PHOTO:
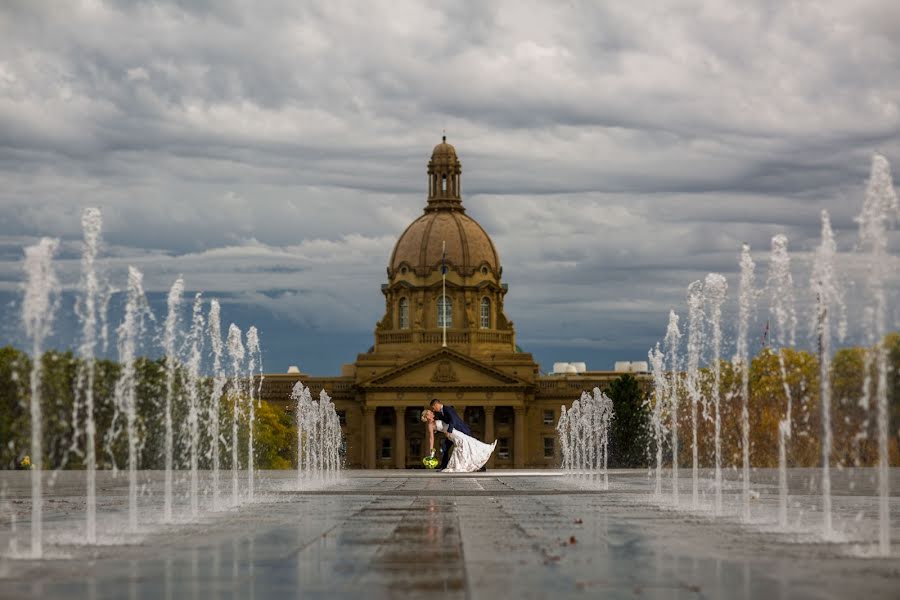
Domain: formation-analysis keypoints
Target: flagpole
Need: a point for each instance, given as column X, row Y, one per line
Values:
column 444, row 294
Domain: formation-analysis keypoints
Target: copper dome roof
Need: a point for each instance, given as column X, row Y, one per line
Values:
column 468, row 245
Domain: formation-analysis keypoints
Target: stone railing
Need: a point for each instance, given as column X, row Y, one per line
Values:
column 395, row 338
column 278, row 387
column 565, row 386
column 494, row 337
column 454, row 337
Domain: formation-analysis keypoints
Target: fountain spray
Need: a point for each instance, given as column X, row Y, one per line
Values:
column 781, row 286
column 298, row 395
column 193, row 389
column 879, row 212
column 38, row 309
column 254, row 360
column 746, row 297
column 695, row 346
column 673, row 337
column 236, row 352
column 129, row 332
column 715, row 289
column 91, row 224
column 215, row 338
column 828, row 297
column 171, row 329
column 659, row 393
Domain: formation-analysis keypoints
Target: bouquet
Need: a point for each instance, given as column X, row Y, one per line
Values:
column 430, row 461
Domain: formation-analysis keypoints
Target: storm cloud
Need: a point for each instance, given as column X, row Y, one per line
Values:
column 273, row 152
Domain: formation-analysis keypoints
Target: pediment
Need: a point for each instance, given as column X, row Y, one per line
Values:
column 444, row 368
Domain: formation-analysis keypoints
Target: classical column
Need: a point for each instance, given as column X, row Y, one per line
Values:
column 369, row 443
column 400, row 436
column 519, row 438
column 489, row 430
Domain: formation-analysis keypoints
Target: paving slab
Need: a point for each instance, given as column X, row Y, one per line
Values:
column 422, row 534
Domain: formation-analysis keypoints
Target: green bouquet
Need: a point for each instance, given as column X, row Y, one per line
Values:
column 430, row 461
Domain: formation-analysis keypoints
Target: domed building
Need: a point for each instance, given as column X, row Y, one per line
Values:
column 445, row 335
column 420, row 302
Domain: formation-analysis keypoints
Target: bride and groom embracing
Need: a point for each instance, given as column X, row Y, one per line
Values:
column 460, row 452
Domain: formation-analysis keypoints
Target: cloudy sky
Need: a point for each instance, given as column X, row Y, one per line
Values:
column 273, row 152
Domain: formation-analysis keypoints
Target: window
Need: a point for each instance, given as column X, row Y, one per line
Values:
column 412, row 417
column 549, row 417
column 503, row 448
column 342, row 417
column 485, row 313
column 386, row 448
column 385, row 418
column 445, row 312
column 473, row 417
column 415, row 447
column 403, row 310
column 504, row 416
column 549, row 447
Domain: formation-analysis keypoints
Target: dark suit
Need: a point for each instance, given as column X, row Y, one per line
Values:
column 449, row 416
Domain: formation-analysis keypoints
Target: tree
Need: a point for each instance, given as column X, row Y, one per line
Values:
column 630, row 426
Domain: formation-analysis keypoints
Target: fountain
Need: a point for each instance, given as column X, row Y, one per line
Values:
column 746, row 301
column 236, row 352
column 695, row 347
column 318, row 436
column 38, row 309
column 660, row 385
column 332, row 436
column 215, row 338
column 590, row 424
column 300, row 396
column 575, row 442
column 129, row 333
column 173, row 304
column 781, row 287
column 193, row 390
column 91, row 224
column 605, row 414
column 129, row 428
column 829, row 320
column 562, row 433
column 828, row 297
column 255, row 358
column 879, row 211
column 673, row 336
column 715, row 289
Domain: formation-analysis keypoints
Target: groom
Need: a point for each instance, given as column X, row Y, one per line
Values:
column 448, row 415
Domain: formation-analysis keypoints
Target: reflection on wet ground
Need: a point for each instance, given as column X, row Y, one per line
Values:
column 488, row 536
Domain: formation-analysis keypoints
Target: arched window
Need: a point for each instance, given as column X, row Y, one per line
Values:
column 485, row 313
column 445, row 312
column 403, row 313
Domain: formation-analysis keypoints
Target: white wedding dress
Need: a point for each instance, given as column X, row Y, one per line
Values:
column 468, row 454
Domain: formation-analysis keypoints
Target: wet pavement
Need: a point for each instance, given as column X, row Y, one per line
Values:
column 395, row 535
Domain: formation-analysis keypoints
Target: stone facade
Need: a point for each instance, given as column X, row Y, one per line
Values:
column 472, row 364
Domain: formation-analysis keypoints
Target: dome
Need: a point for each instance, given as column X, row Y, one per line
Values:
column 468, row 245
column 443, row 150
column 445, row 221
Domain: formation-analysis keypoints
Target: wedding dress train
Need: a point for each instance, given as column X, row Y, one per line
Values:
column 468, row 454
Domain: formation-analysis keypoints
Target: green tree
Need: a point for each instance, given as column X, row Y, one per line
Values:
column 630, row 427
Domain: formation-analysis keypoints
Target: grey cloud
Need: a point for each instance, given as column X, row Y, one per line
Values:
column 273, row 152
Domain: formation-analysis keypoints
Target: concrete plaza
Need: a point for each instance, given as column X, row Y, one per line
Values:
column 378, row 534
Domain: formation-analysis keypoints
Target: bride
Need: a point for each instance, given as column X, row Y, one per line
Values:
column 468, row 455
